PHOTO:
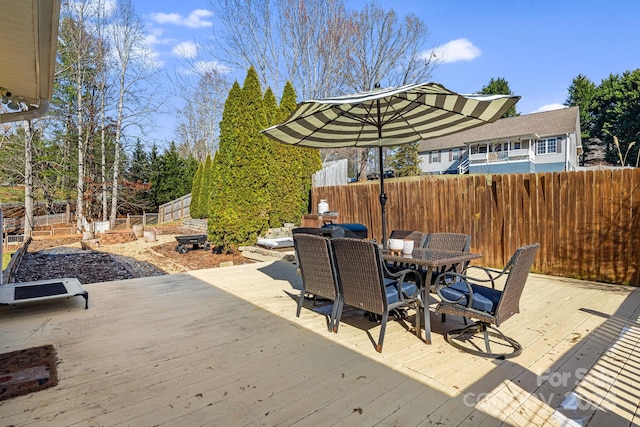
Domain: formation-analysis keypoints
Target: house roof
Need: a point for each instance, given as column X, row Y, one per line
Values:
column 29, row 34
column 548, row 123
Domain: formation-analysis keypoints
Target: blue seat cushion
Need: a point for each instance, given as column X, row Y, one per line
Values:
column 484, row 298
column 409, row 289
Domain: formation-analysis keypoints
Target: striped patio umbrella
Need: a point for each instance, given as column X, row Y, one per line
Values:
column 387, row 117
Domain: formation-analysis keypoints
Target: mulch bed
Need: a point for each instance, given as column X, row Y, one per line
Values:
column 27, row 371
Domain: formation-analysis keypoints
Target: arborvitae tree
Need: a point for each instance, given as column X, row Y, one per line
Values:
column 205, row 188
column 222, row 215
column 250, row 172
column 256, row 182
column 280, row 176
column 500, row 86
column 304, row 161
column 195, row 209
column 188, row 171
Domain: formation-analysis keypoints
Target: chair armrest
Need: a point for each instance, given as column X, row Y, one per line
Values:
column 447, row 279
column 491, row 273
column 400, row 277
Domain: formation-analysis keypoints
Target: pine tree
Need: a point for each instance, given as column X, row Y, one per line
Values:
column 406, row 161
column 172, row 176
column 500, row 86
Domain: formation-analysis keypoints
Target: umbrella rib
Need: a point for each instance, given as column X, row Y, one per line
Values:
column 340, row 112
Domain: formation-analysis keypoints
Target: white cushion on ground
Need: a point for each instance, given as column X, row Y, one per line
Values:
column 280, row 242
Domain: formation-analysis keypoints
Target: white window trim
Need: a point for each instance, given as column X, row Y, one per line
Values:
column 546, row 146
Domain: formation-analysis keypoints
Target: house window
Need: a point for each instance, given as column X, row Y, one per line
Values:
column 547, row 146
column 455, row 154
column 516, row 145
column 435, row 157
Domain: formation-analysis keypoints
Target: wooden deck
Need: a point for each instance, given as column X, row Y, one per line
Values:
column 223, row 347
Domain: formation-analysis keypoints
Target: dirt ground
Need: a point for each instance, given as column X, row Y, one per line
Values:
column 49, row 259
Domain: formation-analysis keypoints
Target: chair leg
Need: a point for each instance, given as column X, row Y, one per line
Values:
column 383, row 327
column 337, row 313
column 300, row 300
column 483, row 328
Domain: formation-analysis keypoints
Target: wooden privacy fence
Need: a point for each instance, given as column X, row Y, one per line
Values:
column 587, row 222
column 174, row 210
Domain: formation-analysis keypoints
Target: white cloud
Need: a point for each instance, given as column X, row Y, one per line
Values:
column 185, row 50
column 454, row 51
column 550, row 107
column 206, row 66
column 202, row 67
column 196, row 19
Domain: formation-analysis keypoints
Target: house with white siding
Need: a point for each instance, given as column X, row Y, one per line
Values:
column 539, row 142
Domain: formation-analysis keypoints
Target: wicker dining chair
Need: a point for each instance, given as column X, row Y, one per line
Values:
column 315, row 261
column 457, row 242
column 361, row 277
column 471, row 297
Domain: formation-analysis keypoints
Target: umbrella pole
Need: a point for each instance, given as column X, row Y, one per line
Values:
column 383, row 200
column 383, row 195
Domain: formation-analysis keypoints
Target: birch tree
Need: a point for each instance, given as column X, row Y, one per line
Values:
column 102, row 76
column 389, row 53
column 248, row 36
column 77, row 62
column 134, row 67
column 28, row 178
column 198, row 126
column 323, row 49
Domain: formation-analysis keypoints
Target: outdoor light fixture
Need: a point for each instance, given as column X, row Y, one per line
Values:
column 12, row 104
column 5, row 95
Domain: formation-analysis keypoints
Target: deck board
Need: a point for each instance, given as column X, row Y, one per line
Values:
column 223, row 346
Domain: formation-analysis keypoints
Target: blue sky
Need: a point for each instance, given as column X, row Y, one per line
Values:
column 537, row 46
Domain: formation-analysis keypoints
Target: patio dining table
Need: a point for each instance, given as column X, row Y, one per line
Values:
column 429, row 258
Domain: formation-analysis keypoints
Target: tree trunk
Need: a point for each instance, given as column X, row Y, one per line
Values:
column 28, row 178
column 116, row 156
column 80, row 183
column 103, row 156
